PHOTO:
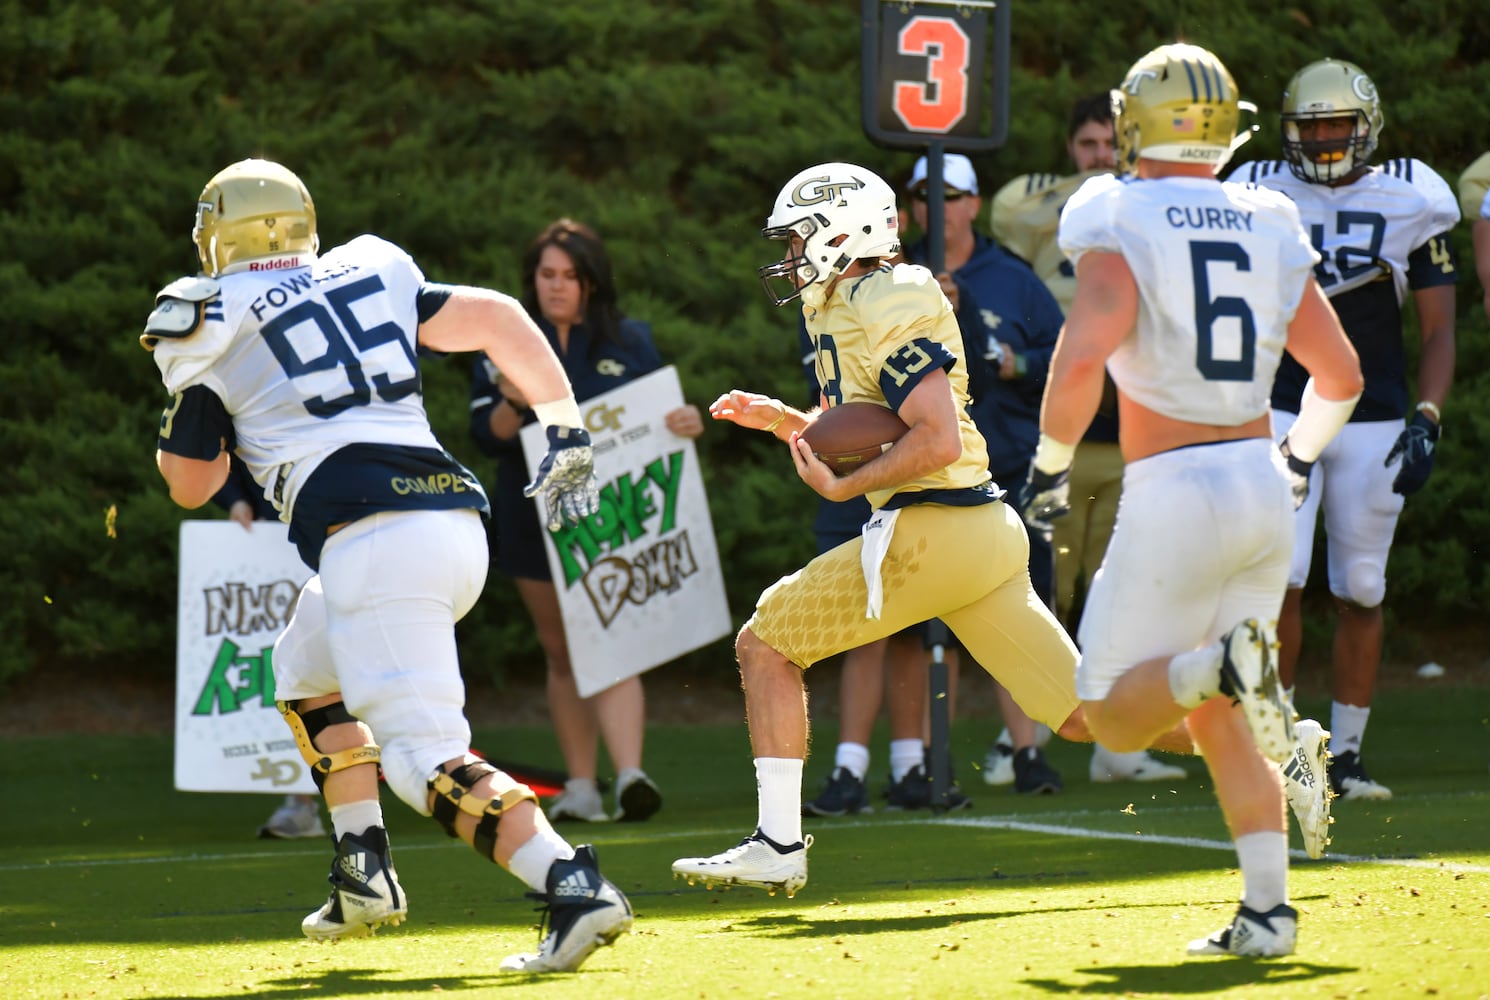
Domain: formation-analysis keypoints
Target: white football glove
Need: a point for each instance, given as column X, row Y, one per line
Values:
column 566, row 477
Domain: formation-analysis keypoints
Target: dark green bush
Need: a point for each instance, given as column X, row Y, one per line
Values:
column 457, row 129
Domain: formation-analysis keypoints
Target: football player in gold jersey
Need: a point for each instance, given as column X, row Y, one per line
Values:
column 1474, row 201
column 941, row 542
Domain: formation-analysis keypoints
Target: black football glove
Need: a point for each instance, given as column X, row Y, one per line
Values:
column 1415, row 446
column 1298, row 474
column 566, row 477
column 1045, row 496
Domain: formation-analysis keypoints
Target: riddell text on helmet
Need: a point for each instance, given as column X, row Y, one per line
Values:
column 275, row 264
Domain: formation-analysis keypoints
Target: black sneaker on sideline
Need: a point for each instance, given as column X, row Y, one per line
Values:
column 842, row 795
column 1033, row 774
column 637, row 799
column 914, row 792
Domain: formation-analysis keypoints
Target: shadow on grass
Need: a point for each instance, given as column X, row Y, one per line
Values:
column 1196, row 977
column 935, row 915
column 370, row 982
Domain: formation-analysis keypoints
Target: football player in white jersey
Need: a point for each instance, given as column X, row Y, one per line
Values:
column 1187, row 292
column 1474, row 200
column 305, row 366
column 1382, row 231
column 1025, row 218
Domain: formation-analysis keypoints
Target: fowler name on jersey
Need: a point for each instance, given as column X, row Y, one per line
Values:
column 297, row 370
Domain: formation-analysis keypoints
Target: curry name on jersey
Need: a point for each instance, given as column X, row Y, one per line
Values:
column 1379, row 237
column 311, row 375
column 1220, row 269
column 874, row 340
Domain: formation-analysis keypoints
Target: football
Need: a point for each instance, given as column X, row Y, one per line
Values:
column 846, row 436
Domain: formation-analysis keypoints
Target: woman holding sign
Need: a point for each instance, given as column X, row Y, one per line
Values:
column 569, row 292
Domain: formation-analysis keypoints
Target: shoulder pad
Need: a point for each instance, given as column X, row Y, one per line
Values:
column 179, row 309
column 193, row 288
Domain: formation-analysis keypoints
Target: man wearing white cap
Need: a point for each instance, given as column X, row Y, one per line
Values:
column 1007, row 358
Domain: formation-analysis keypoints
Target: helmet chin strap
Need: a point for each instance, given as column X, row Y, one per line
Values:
column 1240, row 139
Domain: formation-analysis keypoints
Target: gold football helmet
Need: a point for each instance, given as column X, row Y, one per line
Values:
column 1178, row 104
column 254, row 214
column 1330, row 88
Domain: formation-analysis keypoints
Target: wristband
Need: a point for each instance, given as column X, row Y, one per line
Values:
column 1318, row 422
column 771, row 427
column 1432, row 410
column 1052, row 456
column 558, row 413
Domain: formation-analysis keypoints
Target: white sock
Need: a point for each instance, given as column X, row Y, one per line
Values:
column 532, row 861
column 356, row 817
column 1347, row 726
column 1005, row 738
column 1264, row 862
column 778, row 791
column 904, row 755
column 1196, row 675
column 854, row 756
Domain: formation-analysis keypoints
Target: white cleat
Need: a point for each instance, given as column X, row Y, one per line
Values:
column 1108, row 765
column 1260, row 935
column 583, row 911
column 1308, row 787
column 365, row 893
column 1249, row 675
column 755, row 861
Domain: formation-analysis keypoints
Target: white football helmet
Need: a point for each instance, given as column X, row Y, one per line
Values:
column 1330, row 88
column 254, row 215
column 838, row 213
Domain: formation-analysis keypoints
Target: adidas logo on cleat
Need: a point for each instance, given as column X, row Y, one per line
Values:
column 574, row 886
column 1299, row 769
column 354, row 867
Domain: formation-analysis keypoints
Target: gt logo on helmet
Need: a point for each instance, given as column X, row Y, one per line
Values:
column 816, row 190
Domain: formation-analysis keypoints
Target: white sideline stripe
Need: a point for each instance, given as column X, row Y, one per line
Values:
column 986, row 823
column 1212, row 845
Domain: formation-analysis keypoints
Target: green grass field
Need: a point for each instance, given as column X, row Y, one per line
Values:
column 112, row 884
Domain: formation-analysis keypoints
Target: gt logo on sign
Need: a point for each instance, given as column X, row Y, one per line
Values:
column 816, row 190
column 603, row 418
